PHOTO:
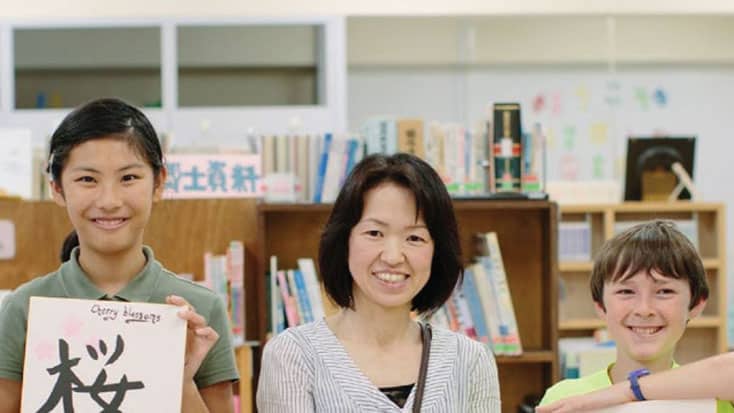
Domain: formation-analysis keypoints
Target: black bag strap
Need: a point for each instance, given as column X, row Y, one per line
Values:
column 427, row 334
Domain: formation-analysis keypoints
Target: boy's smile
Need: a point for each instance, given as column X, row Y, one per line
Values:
column 646, row 314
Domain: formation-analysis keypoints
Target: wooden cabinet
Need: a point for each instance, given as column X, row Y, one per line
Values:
column 702, row 222
column 527, row 236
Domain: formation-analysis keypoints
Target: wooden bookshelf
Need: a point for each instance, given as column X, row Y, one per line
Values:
column 706, row 335
column 527, row 235
column 179, row 231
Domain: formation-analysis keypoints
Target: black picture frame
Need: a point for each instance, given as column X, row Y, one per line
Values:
column 651, row 152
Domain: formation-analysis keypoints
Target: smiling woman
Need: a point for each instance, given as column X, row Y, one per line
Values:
column 106, row 169
column 390, row 247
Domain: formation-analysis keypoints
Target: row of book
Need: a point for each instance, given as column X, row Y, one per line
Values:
column 575, row 237
column 293, row 295
column 481, row 307
column 493, row 157
column 225, row 274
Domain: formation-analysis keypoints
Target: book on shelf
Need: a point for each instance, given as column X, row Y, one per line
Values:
column 474, row 303
column 294, row 295
column 313, row 288
column 574, row 241
column 533, row 161
column 581, row 356
column 507, row 147
column 410, row 137
column 488, row 248
column 471, row 161
column 224, row 275
column 688, row 227
column 482, row 308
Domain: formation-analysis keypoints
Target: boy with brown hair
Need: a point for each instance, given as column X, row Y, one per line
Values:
column 647, row 283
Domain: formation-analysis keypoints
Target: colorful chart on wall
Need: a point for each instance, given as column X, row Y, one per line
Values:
column 102, row 356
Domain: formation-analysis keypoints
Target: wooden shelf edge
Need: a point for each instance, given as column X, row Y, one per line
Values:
column 641, row 207
column 576, row 266
column 711, row 263
column 459, row 205
column 539, row 356
column 593, row 324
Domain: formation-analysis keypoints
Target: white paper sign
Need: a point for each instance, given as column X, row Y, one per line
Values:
column 92, row 356
column 16, row 162
column 664, row 406
column 7, row 239
column 213, row 176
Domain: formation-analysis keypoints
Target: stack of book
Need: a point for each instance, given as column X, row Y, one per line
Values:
column 482, row 306
column 294, row 295
column 225, row 274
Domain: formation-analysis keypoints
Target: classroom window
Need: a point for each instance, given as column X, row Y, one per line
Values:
column 255, row 65
column 64, row 67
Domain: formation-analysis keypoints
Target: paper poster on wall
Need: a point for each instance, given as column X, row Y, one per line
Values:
column 556, row 103
column 569, row 167
column 642, row 98
column 664, row 406
column 613, row 96
column 16, row 162
column 598, row 165
column 539, row 103
column 660, row 97
column 582, row 93
column 550, row 139
column 599, row 133
column 110, row 356
column 569, row 137
column 7, row 239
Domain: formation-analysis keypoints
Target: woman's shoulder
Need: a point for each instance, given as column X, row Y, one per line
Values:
column 297, row 339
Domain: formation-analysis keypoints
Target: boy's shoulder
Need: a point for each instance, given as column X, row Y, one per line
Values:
column 574, row 387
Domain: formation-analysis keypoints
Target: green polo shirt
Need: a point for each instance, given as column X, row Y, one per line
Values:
column 152, row 285
column 597, row 381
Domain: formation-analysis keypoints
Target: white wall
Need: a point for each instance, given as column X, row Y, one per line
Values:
column 219, row 8
column 492, row 40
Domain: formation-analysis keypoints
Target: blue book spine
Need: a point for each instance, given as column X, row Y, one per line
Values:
column 321, row 173
column 352, row 146
column 475, row 306
column 302, row 295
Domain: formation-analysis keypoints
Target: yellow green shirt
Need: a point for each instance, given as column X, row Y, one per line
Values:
column 597, row 381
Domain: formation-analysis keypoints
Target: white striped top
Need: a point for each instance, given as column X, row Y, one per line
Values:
column 306, row 369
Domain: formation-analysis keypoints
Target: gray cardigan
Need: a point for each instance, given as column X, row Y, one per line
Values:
column 306, row 369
